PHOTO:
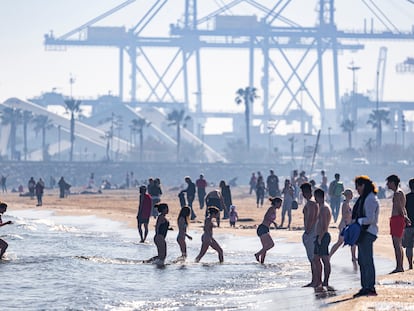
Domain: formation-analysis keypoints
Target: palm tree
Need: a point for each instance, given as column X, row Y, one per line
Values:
column 177, row 117
column 137, row 126
column 27, row 117
column 246, row 96
column 13, row 117
column 42, row 123
column 348, row 126
column 375, row 119
column 73, row 106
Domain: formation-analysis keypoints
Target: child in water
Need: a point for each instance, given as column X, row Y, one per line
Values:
column 207, row 237
column 3, row 244
column 182, row 223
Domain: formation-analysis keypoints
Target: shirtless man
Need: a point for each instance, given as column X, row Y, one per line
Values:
column 397, row 220
column 310, row 217
column 323, row 238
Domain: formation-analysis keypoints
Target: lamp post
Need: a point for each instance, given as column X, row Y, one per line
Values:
column 271, row 125
column 354, row 68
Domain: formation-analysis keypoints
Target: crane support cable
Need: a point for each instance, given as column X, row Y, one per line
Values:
column 381, row 19
column 96, row 19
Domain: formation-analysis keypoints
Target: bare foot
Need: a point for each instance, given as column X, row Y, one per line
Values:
column 257, row 257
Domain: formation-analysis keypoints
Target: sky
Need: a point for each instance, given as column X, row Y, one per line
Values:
column 27, row 69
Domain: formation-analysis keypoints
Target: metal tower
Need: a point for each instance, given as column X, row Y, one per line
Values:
column 269, row 32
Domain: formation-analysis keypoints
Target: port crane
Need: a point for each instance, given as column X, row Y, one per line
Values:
column 272, row 34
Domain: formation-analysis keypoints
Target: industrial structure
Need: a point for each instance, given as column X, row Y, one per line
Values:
column 266, row 34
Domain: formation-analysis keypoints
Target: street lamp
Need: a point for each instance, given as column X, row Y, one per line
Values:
column 354, row 68
column 271, row 125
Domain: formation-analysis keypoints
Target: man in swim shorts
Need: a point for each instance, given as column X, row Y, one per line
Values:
column 397, row 220
column 310, row 217
column 323, row 238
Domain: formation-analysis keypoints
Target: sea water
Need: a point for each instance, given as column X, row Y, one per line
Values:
column 89, row 263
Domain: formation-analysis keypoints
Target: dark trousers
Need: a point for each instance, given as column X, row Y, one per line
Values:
column 190, row 200
column 366, row 260
column 201, row 192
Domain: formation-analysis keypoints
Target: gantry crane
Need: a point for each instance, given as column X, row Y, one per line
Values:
column 250, row 33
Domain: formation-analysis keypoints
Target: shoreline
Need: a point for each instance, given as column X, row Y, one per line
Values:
column 395, row 291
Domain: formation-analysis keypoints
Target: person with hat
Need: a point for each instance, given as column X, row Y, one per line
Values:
column 207, row 237
column 3, row 244
column 345, row 221
column 144, row 212
column 263, row 229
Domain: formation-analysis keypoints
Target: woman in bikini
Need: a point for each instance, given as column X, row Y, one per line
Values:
column 182, row 223
column 263, row 229
column 207, row 237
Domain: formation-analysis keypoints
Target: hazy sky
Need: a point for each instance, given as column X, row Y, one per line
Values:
column 27, row 69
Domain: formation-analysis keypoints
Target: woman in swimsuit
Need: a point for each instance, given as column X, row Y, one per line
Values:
column 263, row 229
column 161, row 229
column 207, row 237
column 182, row 223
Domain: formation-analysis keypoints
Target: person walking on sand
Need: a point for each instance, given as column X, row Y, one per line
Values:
column 324, row 182
column 272, row 184
column 264, row 228
column 161, row 228
column 310, row 217
column 408, row 238
column 233, row 216
column 260, row 191
column 190, row 192
column 365, row 212
column 3, row 244
column 144, row 212
column 201, row 185
column 323, row 238
column 207, row 239
column 397, row 220
column 226, row 193
column 182, row 222
column 39, row 188
column 31, row 186
column 63, row 186
column 335, row 190
column 345, row 221
column 252, row 183
column 288, row 198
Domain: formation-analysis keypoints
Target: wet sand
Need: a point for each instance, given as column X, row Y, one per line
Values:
column 395, row 291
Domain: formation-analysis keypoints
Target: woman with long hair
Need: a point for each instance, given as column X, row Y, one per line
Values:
column 365, row 212
column 263, row 229
column 182, row 222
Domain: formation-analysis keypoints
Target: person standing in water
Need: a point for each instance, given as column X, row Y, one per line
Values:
column 144, row 212
column 263, row 229
column 3, row 244
column 207, row 237
column 182, row 223
column 161, row 228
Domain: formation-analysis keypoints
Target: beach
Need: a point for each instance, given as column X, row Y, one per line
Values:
column 395, row 291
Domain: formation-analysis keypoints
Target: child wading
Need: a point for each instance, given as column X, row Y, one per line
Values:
column 207, row 237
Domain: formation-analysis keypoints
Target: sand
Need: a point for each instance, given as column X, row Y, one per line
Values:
column 395, row 291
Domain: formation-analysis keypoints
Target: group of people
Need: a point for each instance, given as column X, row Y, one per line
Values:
column 216, row 200
column 317, row 215
column 363, row 216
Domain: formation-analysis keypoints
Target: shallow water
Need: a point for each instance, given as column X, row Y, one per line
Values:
column 87, row 263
